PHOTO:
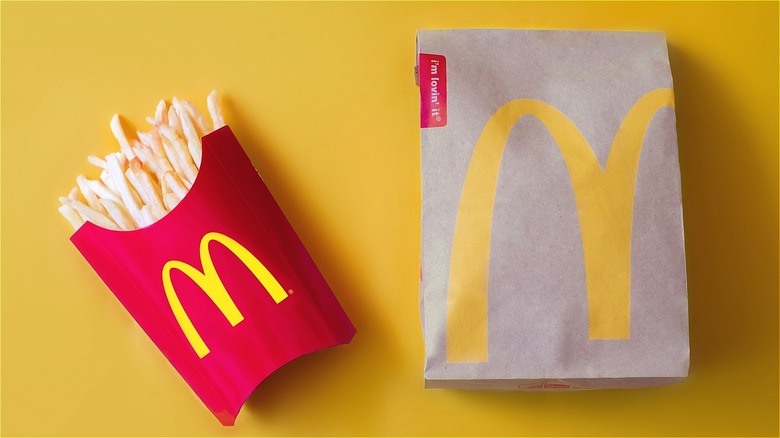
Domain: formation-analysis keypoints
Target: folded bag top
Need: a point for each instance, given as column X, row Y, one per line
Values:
column 552, row 244
column 222, row 284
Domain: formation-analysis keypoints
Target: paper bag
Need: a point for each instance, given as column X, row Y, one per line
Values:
column 222, row 284
column 552, row 234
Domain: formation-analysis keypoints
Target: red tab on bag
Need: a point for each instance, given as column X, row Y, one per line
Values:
column 433, row 90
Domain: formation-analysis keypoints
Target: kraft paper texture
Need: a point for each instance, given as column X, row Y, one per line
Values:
column 541, row 270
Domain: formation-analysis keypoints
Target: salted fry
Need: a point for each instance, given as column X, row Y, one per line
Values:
column 119, row 133
column 119, row 214
column 146, row 155
column 89, row 214
column 130, row 176
column 70, row 214
column 146, row 213
column 144, row 137
column 89, row 195
column 175, row 184
column 74, row 194
column 146, row 188
column 214, row 111
column 198, row 120
column 159, row 153
column 161, row 112
column 150, row 174
column 153, row 151
column 148, row 160
column 173, row 157
column 105, row 178
column 101, row 190
column 171, row 201
column 190, row 133
column 179, row 155
column 157, row 211
column 124, row 190
column 121, row 159
column 173, row 120
column 99, row 162
column 124, row 164
column 164, row 189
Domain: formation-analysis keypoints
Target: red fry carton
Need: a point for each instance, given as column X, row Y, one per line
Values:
column 221, row 284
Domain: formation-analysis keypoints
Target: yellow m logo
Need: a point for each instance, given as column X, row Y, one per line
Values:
column 604, row 200
column 209, row 281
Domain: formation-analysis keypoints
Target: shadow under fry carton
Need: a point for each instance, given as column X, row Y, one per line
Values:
column 221, row 284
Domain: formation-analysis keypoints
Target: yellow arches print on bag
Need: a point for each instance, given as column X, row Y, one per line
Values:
column 209, row 281
column 604, row 200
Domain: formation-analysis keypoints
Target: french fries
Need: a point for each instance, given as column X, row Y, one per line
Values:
column 149, row 175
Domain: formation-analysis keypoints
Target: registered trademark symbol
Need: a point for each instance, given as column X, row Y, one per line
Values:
column 290, row 291
column 438, row 119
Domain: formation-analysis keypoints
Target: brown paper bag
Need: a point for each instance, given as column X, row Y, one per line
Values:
column 552, row 236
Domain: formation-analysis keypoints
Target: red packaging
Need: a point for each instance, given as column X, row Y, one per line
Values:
column 221, row 284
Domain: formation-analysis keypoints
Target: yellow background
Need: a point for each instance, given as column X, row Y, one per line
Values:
column 323, row 98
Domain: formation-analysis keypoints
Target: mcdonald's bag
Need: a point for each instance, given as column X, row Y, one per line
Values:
column 552, row 231
column 221, row 284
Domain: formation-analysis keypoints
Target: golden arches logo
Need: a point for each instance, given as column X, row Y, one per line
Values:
column 209, row 282
column 604, row 201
